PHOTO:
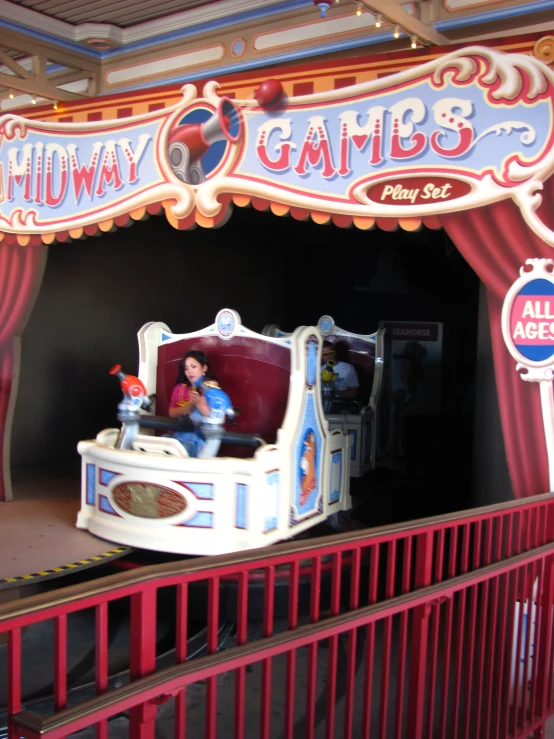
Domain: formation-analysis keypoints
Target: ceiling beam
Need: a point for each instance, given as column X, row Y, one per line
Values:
column 64, row 77
column 76, row 66
column 39, row 64
column 33, row 46
column 16, row 68
column 391, row 10
column 39, row 88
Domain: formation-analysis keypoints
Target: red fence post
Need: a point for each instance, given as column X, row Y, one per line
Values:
column 543, row 644
column 101, row 659
column 14, row 680
column 420, row 635
column 143, row 658
column 60, row 662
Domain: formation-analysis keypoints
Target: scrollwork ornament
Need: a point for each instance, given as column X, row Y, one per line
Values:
column 544, row 50
column 535, row 374
column 540, row 267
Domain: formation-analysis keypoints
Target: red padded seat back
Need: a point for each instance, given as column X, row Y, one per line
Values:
column 254, row 373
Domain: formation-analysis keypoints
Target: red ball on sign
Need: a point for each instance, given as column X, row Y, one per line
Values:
column 270, row 94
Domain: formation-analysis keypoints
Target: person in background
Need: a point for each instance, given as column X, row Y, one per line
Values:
column 347, row 383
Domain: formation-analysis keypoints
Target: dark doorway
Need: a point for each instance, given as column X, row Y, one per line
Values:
column 362, row 278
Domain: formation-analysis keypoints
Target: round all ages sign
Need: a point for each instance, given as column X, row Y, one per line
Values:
column 528, row 315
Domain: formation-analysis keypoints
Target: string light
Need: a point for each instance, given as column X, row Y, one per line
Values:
column 55, row 105
column 11, row 95
column 33, row 100
column 397, row 29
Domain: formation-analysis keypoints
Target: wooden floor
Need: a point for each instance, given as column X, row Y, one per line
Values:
column 37, row 528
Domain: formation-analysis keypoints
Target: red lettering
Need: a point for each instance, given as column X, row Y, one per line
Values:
column 109, row 170
column 19, row 172
column 315, row 151
column 404, row 115
column 52, row 199
column 276, row 165
column 83, row 175
column 397, row 151
column 359, row 135
column 39, row 147
column 134, row 157
column 282, row 163
column 312, row 153
column 464, row 144
column 451, row 114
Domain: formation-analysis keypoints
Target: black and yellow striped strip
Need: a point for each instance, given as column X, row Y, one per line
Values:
column 81, row 564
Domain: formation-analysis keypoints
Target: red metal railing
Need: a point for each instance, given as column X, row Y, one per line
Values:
column 437, row 628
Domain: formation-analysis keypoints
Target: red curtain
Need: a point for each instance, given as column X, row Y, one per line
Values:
column 496, row 242
column 21, row 270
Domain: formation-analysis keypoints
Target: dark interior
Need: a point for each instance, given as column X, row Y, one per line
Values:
column 97, row 293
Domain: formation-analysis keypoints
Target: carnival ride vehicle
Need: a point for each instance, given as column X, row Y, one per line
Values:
column 282, row 471
column 366, row 421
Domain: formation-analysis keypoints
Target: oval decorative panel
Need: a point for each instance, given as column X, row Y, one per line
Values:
column 148, row 500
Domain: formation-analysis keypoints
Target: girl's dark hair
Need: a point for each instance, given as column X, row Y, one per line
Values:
column 200, row 357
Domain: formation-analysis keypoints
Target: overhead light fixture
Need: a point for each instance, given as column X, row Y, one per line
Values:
column 323, row 6
column 414, row 42
column 33, row 100
column 55, row 105
column 378, row 21
column 396, row 32
column 359, row 9
column 11, row 95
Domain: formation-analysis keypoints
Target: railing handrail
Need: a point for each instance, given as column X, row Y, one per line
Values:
column 178, row 676
column 126, row 583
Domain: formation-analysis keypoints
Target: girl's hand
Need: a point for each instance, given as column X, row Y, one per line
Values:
column 183, row 409
column 194, row 397
column 202, row 406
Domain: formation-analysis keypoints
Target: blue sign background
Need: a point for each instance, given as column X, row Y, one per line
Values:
column 147, row 170
column 491, row 150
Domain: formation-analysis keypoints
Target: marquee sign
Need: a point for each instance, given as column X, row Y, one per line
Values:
column 470, row 128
